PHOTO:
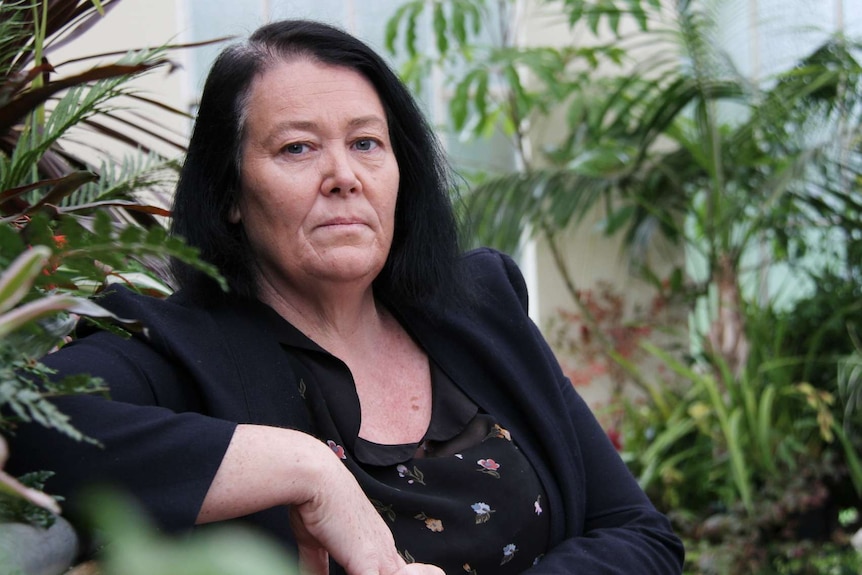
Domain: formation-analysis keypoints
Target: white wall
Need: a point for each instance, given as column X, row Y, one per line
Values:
column 130, row 25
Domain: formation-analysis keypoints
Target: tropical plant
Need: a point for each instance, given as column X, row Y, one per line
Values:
column 684, row 147
column 756, row 179
column 68, row 227
column 501, row 86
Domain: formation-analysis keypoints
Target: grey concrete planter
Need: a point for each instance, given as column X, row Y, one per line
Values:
column 34, row 551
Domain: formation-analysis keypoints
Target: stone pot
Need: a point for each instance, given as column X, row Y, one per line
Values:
column 35, row 551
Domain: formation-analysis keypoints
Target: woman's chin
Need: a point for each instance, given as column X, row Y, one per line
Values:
column 346, row 265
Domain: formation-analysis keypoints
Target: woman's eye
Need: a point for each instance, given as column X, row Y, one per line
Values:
column 295, row 148
column 365, row 145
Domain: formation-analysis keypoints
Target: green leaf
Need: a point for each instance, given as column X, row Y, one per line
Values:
column 593, row 19
column 480, row 97
column 440, row 29
column 765, row 426
column 640, row 16
column 575, row 12
column 603, row 161
column 40, row 513
column 393, row 24
column 522, row 99
column 739, row 470
column 17, row 279
column 460, row 102
column 98, row 6
column 46, row 306
column 103, row 227
column 412, row 22
column 854, row 463
column 459, row 24
column 617, row 219
column 614, row 21
column 18, row 107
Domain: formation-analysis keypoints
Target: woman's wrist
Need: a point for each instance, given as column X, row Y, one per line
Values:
column 265, row 467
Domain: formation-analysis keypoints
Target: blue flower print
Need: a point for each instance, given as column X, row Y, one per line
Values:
column 483, row 512
column 508, row 553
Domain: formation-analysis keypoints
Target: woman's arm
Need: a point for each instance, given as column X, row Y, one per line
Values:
column 187, row 467
column 265, row 467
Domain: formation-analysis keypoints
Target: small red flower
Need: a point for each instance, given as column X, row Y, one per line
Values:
column 616, row 439
column 489, row 464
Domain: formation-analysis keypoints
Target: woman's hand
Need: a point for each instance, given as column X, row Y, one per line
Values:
column 420, row 569
column 266, row 467
column 339, row 520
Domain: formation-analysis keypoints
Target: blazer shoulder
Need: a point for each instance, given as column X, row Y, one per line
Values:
column 497, row 276
column 160, row 319
column 129, row 304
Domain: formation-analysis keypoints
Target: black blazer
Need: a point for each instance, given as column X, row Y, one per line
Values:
column 178, row 391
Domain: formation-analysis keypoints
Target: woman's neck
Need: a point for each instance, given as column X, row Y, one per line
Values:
column 336, row 318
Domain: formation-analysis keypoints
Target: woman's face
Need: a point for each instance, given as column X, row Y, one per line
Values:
column 319, row 177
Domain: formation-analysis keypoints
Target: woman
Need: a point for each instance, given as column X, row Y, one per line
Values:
column 363, row 392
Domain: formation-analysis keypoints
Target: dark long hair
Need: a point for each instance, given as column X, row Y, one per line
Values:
column 423, row 257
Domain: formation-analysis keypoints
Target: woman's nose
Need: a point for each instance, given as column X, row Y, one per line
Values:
column 339, row 175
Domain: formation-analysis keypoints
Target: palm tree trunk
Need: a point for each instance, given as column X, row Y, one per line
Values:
column 726, row 339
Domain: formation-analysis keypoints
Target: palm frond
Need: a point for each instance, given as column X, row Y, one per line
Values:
column 501, row 210
column 118, row 180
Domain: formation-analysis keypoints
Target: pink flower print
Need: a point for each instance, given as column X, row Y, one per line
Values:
column 415, row 475
column 466, row 567
column 337, row 449
column 483, row 512
column 508, row 553
column 489, row 466
column 537, row 505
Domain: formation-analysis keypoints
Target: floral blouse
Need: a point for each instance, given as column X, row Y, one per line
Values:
column 465, row 498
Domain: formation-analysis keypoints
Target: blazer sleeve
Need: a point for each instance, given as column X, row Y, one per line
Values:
column 154, row 447
column 622, row 532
